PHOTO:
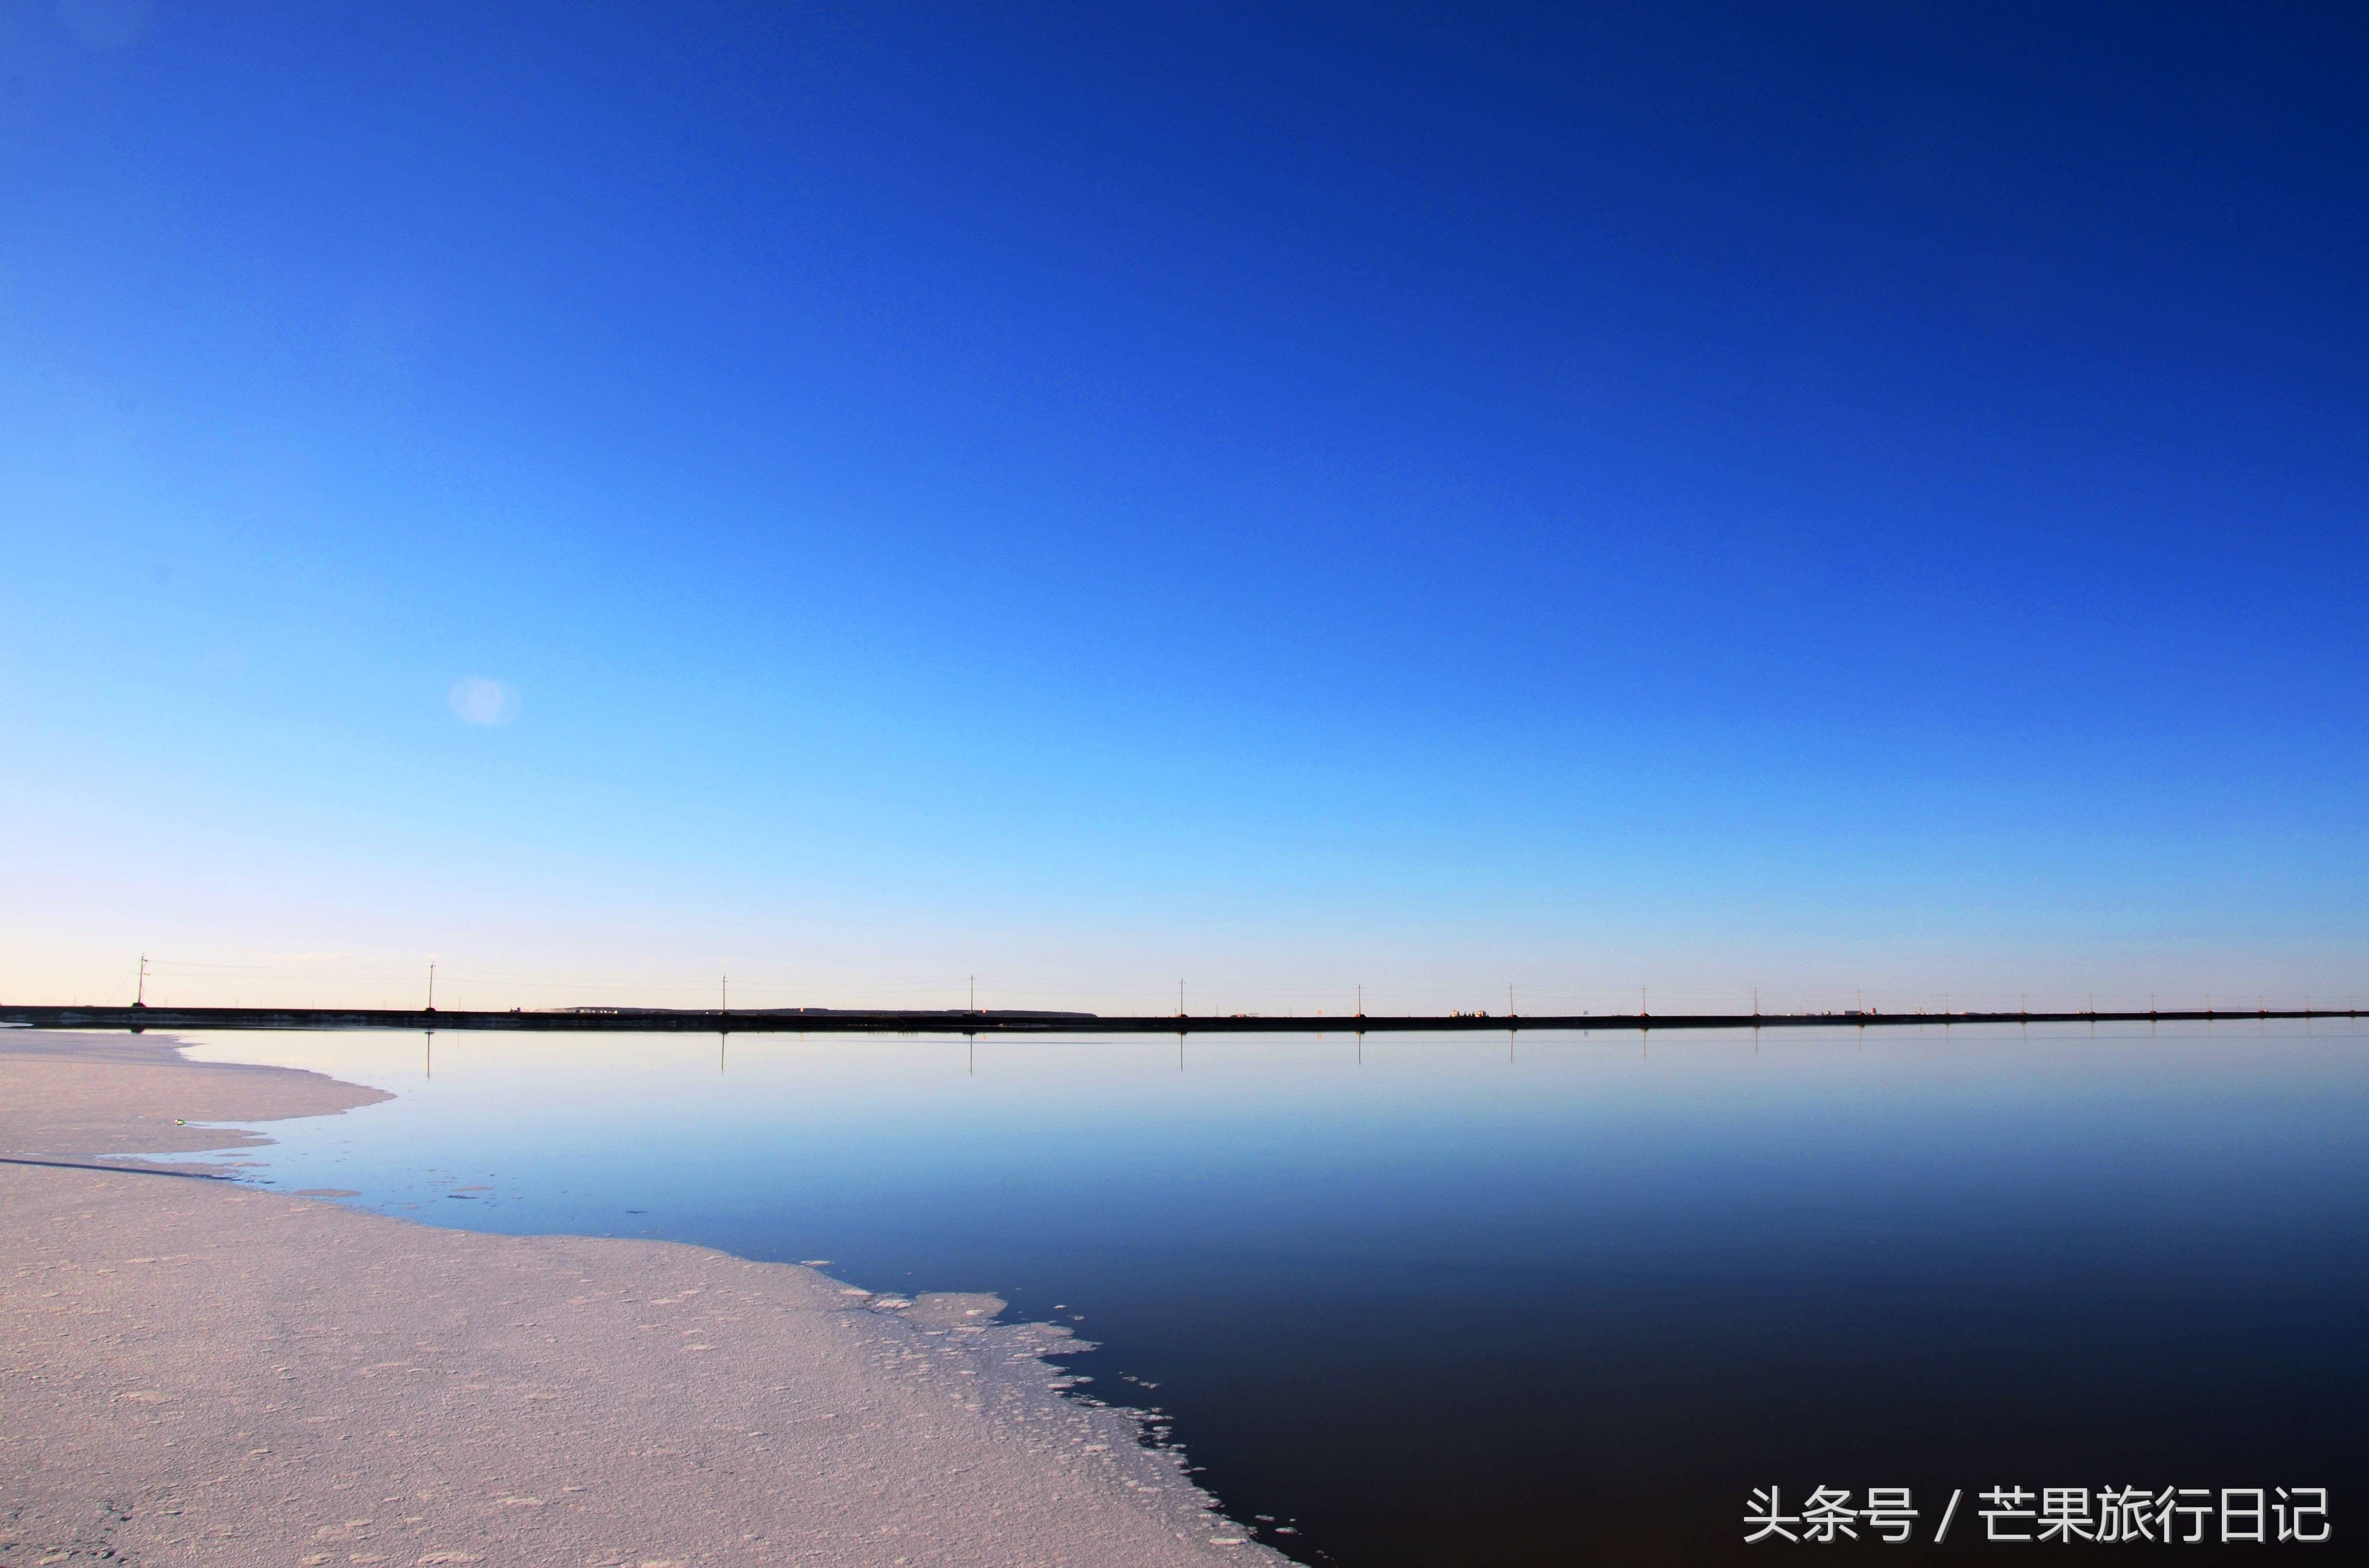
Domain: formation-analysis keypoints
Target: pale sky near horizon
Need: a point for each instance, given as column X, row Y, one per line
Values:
column 1838, row 500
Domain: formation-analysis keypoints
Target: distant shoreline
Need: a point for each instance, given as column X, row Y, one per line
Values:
column 954, row 1021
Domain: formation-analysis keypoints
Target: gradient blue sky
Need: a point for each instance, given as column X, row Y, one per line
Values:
column 1827, row 497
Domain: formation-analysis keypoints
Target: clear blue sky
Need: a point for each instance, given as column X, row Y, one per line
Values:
column 1827, row 497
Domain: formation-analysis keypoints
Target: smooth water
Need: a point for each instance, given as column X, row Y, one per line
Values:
column 1564, row 1298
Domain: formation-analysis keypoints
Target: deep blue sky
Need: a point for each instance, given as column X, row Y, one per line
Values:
column 1828, row 497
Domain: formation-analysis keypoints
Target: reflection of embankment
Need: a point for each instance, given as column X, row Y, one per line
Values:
column 197, row 1371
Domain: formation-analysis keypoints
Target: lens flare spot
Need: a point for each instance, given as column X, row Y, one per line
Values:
column 478, row 700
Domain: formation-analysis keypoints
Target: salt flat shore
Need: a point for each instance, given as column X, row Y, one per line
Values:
column 196, row 1372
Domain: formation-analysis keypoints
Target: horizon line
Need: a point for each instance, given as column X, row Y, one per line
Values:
column 140, row 1017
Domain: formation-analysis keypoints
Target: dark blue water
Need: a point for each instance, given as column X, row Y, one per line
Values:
column 1462, row 1300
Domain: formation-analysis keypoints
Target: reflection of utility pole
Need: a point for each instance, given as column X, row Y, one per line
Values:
column 140, row 997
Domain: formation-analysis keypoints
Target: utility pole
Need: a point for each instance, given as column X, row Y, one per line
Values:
column 1180, row 998
column 1641, row 1001
column 140, row 997
column 1509, row 1002
column 974, row 993
column 1361, row 1001
column 724, row 1002
column 432, row 985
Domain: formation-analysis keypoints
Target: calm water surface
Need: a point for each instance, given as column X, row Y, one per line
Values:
column 1449, row 1299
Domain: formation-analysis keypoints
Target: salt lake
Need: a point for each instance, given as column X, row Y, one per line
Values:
column 1417, row 1299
